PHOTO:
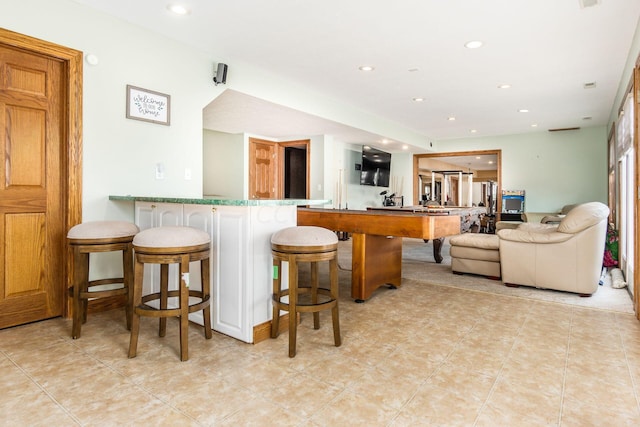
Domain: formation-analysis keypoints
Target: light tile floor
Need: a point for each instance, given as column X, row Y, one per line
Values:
column 420, row 355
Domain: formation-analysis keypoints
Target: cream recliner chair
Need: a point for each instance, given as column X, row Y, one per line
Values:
column 566, row 257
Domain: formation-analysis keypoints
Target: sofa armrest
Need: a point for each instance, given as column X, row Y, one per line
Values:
column 537, row 227
column 543, row 236
column 552, row 219
column 535, row 216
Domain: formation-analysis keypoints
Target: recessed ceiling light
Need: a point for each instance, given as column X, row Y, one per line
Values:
column 418, row 99
column 523, row 110
column 451, row 119
column 474, row 44
column 534, row 125
column 473, row 131
column 405, row 147
column 385, row 141
column 178, row 9
column 366, row 68
column 478, row 157
column 504, row 86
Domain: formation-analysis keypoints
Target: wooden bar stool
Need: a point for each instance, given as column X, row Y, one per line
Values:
column 94, row 237
column 164, row 246
column 304, row 244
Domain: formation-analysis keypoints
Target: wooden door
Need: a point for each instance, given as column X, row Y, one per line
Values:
column 33, row 125
column 263, row 163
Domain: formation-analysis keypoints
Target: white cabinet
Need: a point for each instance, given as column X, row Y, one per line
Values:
column 241, row 263
column 148, row 215
column 228, row 227
column 232, row 278
column 202, row 217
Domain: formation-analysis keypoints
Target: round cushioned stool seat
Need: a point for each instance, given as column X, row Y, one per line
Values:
column 304, row 238
column 172, row 245
column 296, row 245
column 170, row 239
column 95, row 237
column 102, row 230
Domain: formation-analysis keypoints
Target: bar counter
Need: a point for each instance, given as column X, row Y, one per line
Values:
column 241, row 263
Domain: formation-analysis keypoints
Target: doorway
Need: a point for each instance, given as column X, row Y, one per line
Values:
column 44, row 175
column 486, row 165
column 279, row 170
column 295, row 169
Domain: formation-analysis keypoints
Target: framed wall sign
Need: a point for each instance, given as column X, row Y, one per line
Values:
column 148, row 105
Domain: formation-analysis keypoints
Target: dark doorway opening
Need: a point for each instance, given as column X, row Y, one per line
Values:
column 295, row 172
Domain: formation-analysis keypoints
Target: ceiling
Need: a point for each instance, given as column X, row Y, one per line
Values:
column 546, row 50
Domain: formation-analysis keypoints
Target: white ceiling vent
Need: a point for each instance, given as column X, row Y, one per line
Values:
column 588, row 3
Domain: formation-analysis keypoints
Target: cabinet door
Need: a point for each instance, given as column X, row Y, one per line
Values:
column 201, row 217
column 266, row 220
column 149, row 215
column 144, row 213
column 231, row 310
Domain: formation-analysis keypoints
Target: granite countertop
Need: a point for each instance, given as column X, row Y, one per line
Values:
column 219, row 200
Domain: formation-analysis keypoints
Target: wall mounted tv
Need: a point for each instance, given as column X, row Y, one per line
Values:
column 376, row 167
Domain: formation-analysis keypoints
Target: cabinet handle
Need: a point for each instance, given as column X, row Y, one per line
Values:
column 213, row 210
column 153, row 206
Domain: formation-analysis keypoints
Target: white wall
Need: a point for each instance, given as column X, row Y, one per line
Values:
column 554, row 168
column 627, row 75
column 120, row 155
column 340, row 160
column 317, row 186
column 224, row 167
column 225, row 170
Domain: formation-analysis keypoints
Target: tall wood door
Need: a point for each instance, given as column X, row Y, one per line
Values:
column 32, row 130
column 263, row 163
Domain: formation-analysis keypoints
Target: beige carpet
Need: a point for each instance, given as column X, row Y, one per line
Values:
column 419, row 268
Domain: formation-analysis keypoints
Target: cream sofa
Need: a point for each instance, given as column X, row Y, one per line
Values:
column 547, row 217
column 565, row 257
column 475, row 253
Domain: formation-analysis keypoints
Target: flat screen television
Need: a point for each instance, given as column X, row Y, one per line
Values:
column 376, row 167
column 512, row 205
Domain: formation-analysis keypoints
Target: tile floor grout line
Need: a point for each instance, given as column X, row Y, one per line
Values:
column 524, row 297
column 132, row 382
column 566, row 367
column 504, row 362
column 626, row 358
column 435, row 313
column 433, row 373
column 423, row 382
column 43, row 389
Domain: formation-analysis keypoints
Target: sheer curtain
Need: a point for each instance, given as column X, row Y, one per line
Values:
column 626, row 190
